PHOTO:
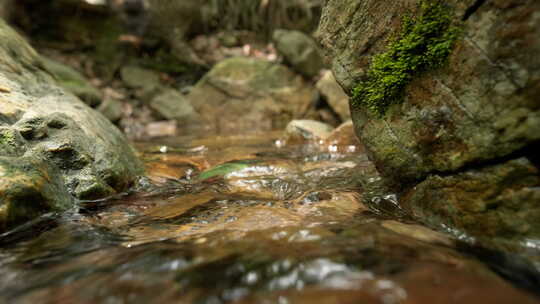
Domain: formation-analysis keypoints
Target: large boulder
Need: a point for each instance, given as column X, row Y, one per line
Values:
column 482, row 104
column 49, row 132
column 244, row 94
column 446, row 102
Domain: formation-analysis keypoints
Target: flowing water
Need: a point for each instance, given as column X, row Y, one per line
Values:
column 247, row 219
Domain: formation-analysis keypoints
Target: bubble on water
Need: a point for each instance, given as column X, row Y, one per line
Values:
column 279, row 143
column 532, row 243
column 251, row 278
column 231, row 219
column 392, row 293
column 279, row 235
column 304, row 235
column 332, row 148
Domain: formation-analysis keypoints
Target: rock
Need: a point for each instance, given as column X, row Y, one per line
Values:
column 161, row 128
column 229, row 39
column 342, row 139
column 448, row 136
column 172, row 105
column 29, row 188
column 248, row 95
column 497, row 204
column 307, row 129
column 480, row 105
column 112, row 109
column 42, row 123
column 334, row 95
column 299, row 50
column 73, row 81
column 139, row 78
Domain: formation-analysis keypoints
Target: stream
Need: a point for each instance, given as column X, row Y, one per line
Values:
column 244, row 219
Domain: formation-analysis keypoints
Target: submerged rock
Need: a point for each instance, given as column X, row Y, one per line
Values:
column 300, row 51
column 248, row 95
column 51, row 130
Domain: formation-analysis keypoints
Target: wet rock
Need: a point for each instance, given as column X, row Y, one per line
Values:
column 249, row 95
column 497, row 204
column 11, row 142
column 343, row 139
column 42, row 122
column 307, row 130
column 29, row 188
column 334, row 95
column 112, row 109
column 449, row 138
column 300, row 51
column 162, row 128
column 172, row 105
column 73, row 81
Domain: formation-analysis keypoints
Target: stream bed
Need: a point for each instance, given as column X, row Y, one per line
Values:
column 246, row 219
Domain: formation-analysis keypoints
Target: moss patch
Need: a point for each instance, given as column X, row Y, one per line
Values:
column 424, row 43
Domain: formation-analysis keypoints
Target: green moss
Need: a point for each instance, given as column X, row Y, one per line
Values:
column 7, row 138
column 424, row 43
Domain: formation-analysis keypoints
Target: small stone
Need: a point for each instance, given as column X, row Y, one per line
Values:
column 334, row 95
column 160, row 129
column 139, row 78
column 172, row 105
column 308, row 129
column 112, row 109
column 299, row 50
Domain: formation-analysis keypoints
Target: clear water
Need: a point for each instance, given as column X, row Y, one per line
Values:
column 244, row 220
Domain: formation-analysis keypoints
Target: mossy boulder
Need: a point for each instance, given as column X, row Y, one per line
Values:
column 42, row 123
column 476, row 100
column 246, row 95
column 445, row 100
